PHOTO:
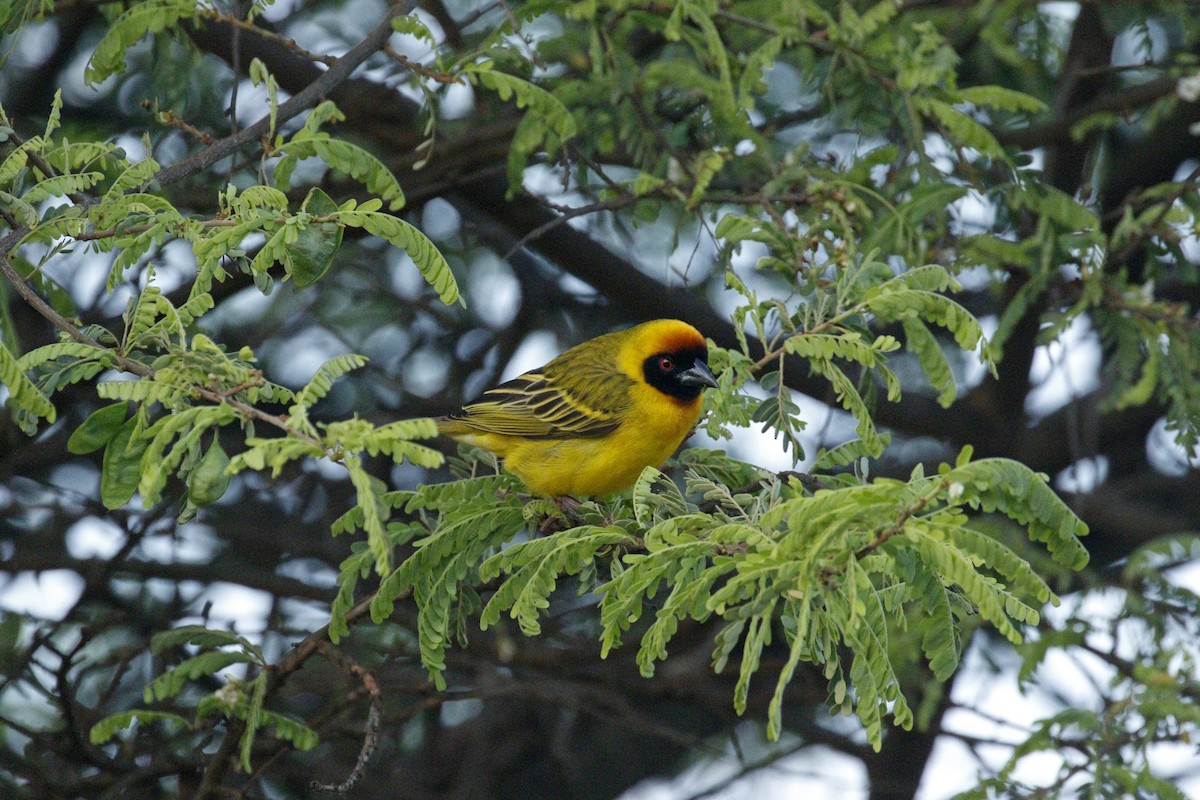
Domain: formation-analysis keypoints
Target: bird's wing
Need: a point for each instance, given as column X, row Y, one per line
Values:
column 536, row 407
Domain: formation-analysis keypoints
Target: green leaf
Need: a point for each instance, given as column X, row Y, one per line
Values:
column 849, row 346
column 274, row 453
column 649, row 505
column 533, row 569
column 780, row 412
column 940, row 641
column 98, row 429
column 1056, row 205
column 189, row 425
column 107, row 728
column 145, row 391
column 847, row 394
column 445, row 561
column 846, row 453
column 922, row 343
column 133, row 176
column 370, row 491
column 715, row 465
column 961, row 128
column 201, row 636
column 954, row 567
column 412, row 25
column 758, row 636
column 54, row 118
column 210, row 478
column 350, row 159
column 893, row 303
column 121, row 467
column 549, row 108
column 547, row 125
column 173, row 681
column 393, row 439
column 259, row 76
column 315, row 244
column 998, row 484
column 322, row 381
column 16, row 160
column 762, row 58
column 58, row 186
column 355, row 567
column 429, row 261
column 25, row 213
column 1002, row 98
column 150, row 16
column 254, row 718
column 301, row 736
column 1140, row 392
column 22, row 394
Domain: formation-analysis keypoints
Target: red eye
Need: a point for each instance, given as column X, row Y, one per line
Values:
column 666, row 363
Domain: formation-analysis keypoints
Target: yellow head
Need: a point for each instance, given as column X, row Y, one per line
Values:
column 658, row 364
column 668, row 355
column 590, row 420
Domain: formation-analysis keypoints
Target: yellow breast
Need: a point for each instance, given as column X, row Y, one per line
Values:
column 652, row 431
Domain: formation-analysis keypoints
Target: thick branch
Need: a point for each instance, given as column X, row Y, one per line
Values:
column 1058, row 130
column 307, row 97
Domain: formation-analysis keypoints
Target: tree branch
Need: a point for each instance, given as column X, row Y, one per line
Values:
column 1058, row 131
column 309, row 96
column 374, row 716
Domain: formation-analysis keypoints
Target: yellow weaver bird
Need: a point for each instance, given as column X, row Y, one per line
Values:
column 593, row 418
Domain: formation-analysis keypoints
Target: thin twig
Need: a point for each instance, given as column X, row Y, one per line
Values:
column 133, row 230
column 669, row 190
column 36, row 159
column 235, row 64
column 901, row 520
column 374, row 717
column 420, row 69
column 766, row 762
column 239, row 24
column 169, row 117
column 567, row 213
column 476, row 15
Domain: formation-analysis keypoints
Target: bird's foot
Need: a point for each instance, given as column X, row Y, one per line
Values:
column 565, row 518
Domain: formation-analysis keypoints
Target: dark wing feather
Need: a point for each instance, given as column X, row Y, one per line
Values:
column 535, row 407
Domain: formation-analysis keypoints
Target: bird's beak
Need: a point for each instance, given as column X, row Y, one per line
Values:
column 698, row 375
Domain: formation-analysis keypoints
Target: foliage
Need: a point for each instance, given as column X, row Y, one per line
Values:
column 841, row 274
column 1150, row 697
column 175, row 367
column 238, row 698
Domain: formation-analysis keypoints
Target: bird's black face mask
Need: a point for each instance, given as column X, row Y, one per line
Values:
column 682, row 375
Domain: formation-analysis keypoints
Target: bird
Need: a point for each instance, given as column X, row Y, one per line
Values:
column 589, row 421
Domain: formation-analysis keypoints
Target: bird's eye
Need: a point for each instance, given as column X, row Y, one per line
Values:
column 666, row 363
